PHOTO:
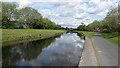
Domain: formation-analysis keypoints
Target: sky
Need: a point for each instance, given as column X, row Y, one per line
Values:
column 70, row 13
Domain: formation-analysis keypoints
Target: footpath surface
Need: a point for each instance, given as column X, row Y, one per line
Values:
column 88, row 56
column 99, row 52
column 107, row 53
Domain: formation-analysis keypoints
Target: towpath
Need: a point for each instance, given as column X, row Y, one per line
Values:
column 99, row 52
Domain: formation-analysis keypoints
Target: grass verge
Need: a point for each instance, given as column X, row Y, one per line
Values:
column 86, row 33
column 89, row 34
column 112, row 37
column 13, row 36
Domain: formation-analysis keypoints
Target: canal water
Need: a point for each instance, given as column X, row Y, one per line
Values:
column 63, row 50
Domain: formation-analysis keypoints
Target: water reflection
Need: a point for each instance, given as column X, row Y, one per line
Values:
column 24, row 51
column 63, row 51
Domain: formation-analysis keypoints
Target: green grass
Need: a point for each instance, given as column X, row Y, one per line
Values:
column 89, row 34
column 112, row 37
column 13, row 36
column 86, row 33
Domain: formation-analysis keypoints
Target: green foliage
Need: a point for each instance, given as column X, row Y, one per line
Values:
column 82, row 27
column 95, row 26
column 109, row 24
column 24, row 18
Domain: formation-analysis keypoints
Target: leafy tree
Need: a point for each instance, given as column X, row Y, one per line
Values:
column 8, row 10
column 24, row 18
column 82, row 27
column 27, row 16
column 109, row 24
column 112, row 19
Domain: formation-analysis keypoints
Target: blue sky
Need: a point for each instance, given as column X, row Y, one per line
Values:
column 70, row 13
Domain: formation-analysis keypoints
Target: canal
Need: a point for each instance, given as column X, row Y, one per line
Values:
column 63, row 50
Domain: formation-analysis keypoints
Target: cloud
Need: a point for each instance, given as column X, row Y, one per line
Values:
column 95, row 6
column 88, row 21
column 9, row 0
column 75, row 13
column 47, row 13
column 81, row 16
column 70, row 13
column 23, row 3
column 103, row 13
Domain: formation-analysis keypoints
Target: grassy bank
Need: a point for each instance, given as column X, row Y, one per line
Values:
column 89, row 34
column 86, row 33
column 13, row 36
column 112, row 37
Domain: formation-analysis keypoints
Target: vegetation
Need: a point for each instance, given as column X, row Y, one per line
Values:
column 112, row 37
column 82, row 27
column 13, row 36
column 109, row 26
column 24, row 18
column 88, row 34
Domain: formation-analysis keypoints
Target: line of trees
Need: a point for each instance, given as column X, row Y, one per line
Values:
column 109, row 24
column 24, row 18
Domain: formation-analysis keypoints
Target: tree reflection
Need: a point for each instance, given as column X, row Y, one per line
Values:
column 24, row 51
column 81, row 35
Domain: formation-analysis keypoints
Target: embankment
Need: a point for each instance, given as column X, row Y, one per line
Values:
column 13, row 36
column 88, row 57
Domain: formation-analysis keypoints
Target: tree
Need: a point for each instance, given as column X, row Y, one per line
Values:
column 112, row 19
column 82, row 27
column 26, row 17
column 8, row 15
column 109, row 24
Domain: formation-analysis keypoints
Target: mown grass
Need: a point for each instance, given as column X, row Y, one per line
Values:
column 13, row 36
column 112, row 37
column 87, row 33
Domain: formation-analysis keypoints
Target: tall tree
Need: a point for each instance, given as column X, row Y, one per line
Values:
column 8, row 14
column 26, row 17
column 82, row 27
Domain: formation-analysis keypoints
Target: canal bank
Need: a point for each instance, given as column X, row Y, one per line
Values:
column 99, row 52
column 64, row 50
column 14, row 36
column 88, row 57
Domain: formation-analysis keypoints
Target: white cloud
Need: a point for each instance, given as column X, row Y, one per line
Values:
column 88, row 21
column 95, row 6
column 81, row 16
column 47, row 12
column 58, row 0
column 23, row 3
column 70, row 12
column 9, row 0
column 75, row 13
column 47, row 0
column 103, row 13
column 95, row 2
